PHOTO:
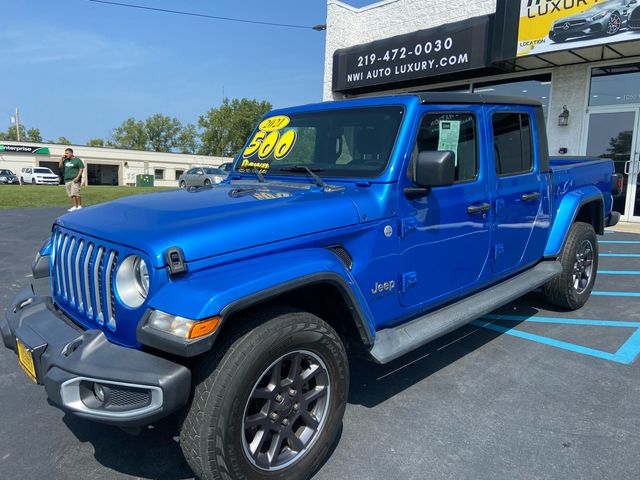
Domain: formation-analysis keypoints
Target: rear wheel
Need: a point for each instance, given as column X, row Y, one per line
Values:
column 269, row 405
column 183, row 184
column 579, row 259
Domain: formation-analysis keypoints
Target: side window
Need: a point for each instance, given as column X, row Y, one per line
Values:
column 455, row 132
column 512, row 143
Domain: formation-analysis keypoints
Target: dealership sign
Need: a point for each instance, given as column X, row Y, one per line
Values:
column 553, row 25
column 24, row 149
column 447, row 49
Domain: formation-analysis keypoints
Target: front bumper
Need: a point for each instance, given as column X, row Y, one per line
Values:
column 138, row 388
column 10, row 181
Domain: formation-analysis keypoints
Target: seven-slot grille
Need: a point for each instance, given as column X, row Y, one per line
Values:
column 83, row 274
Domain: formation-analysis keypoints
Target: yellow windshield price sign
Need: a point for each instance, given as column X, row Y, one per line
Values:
column 269, row 139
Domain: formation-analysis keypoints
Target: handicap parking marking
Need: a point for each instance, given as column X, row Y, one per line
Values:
column 618, row 272
column 615, row 294
column 626, row 354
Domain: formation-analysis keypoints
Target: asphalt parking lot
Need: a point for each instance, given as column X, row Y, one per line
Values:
column 527, row 392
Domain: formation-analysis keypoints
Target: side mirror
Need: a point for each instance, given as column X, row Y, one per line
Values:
column 431, row 169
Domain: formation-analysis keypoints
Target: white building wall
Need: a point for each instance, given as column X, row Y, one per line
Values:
column 348, row 26
column 129, row 162
column 568, row 87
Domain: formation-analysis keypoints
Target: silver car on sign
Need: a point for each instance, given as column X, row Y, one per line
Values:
column 200, row 176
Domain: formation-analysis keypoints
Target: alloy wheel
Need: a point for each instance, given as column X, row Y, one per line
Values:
column 286, row 410
column 614, row 24
column 583, row 266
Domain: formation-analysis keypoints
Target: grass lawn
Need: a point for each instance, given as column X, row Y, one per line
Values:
column 31, row 196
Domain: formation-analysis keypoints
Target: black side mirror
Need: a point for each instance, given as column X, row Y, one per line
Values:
column 431, row 169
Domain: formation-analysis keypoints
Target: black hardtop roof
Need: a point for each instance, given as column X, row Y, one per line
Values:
column 444, row 97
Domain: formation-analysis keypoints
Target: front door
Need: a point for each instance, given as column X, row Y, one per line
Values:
column 613, row 134
column 445, row 235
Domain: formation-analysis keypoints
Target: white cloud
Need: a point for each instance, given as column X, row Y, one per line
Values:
column 47, row 47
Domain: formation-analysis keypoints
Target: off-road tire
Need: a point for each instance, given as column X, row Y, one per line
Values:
column 212, row 434
column 562, row 291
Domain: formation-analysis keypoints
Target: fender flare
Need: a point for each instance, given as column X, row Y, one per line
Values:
column 566, row 214
column 227, row 289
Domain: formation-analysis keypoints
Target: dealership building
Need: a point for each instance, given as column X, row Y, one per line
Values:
column 579, row 58
column 105, row 166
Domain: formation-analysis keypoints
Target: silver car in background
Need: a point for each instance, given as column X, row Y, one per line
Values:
column 200, row 176
column 605, row 18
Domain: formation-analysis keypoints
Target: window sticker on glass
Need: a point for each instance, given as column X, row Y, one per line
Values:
column 267, row 140
column 449, row 137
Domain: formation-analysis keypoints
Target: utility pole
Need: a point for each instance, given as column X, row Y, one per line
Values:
column 18, row 123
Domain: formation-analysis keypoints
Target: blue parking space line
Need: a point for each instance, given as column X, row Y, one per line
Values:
column 551, row 342
column 565, row 321
column 616, row 294
column 620, row 241
column 619, row 255
column 608, row 232
column 618, row 272
column 626, row 354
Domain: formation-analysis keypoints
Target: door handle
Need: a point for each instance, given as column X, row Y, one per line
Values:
column 627, row 164
column 527, row 197
column 482, row 207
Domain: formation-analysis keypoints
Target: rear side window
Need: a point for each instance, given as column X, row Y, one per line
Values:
column 512, row 143
column 455, row 132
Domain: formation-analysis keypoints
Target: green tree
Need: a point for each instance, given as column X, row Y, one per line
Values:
column 188, row 139
column 225, row 129
column 162, row 132
column 63, row 141
column 131, row 135
column 95, row 142
column 33, row 135
column 12, row 135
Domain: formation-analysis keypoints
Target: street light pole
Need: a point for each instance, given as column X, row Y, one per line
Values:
column 17, row 124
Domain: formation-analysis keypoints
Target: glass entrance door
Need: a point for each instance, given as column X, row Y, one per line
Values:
column 613, row 134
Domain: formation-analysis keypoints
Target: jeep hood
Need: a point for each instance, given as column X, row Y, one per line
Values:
column 212, row 221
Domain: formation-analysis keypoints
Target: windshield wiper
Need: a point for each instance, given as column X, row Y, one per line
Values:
column 259, row 175
column 302, row 168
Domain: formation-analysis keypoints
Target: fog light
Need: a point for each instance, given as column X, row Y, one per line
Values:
column 182, row 327
column 98, row 391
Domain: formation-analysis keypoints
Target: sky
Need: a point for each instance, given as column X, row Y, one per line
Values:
column 78, row 69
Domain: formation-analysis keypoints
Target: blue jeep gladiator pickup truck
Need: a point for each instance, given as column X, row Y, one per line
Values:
column 373, row 225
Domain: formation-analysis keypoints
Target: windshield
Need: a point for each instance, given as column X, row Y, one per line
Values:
column 350, row 142
column 214, row 171
column 41, row 170
column 6, row 172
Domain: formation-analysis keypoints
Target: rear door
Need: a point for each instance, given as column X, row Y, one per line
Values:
column 445, row 236
column 517, row 186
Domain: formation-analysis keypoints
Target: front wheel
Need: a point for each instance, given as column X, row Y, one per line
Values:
column 33, row 181
column 269, row 404
column 579, row 259
column 183, row 184
column 614, row 24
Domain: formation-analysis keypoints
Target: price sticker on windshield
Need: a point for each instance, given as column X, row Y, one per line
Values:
column 269, row 139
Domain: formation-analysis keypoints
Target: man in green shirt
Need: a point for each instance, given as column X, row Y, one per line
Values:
column 72, row 167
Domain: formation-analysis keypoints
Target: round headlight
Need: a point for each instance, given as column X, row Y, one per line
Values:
column 132, row 281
